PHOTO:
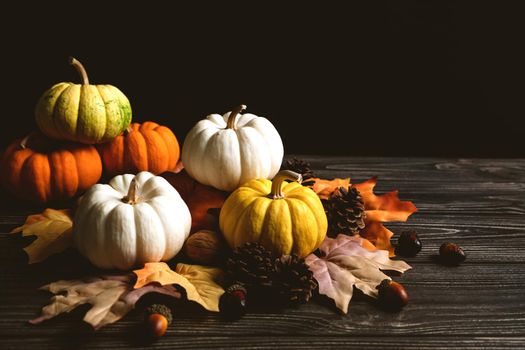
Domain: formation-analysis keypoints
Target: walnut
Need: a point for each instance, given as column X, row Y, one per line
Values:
column 206, row 247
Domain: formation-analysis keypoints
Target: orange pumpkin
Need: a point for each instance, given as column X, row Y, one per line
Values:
column 40, row 169
column 147, row 147
column 199, row 199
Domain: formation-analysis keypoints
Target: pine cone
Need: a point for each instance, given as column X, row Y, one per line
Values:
column 251, row 265
column 345, row 211
column 301, row 167
column 293, row 281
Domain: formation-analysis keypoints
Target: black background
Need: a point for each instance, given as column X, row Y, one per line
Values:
column 392, row 78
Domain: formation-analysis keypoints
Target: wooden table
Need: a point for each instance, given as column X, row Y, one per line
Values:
column 479, row 204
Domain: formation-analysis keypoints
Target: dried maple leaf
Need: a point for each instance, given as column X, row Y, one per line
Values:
column 379, row 209
column 346, row 263
column 111, row 297
column 385, row 207
column 199, row 282
column 53, row 229
column 324, row 188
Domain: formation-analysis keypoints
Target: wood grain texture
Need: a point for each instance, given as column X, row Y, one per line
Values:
column 479, row 204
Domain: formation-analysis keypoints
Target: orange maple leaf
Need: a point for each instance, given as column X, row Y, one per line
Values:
column 385, row 207
column 324, row 188
column 379, row 209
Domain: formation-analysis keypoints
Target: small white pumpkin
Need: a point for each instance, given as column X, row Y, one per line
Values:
column 228, row 151
column 131, row 221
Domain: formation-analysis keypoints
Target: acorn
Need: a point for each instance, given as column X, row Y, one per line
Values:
column 451, row 254
column 157, row 319
column 232, row 304
column 408, row 244
column 392, row 295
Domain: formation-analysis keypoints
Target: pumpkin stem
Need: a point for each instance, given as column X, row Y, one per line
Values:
column 230, row 124
column 80, row 68
column 131, row 197
column 25, row 140
column 277, row 182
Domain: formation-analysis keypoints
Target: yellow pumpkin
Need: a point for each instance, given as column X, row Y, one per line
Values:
column 284, row 217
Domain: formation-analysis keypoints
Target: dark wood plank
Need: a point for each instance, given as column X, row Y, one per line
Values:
column 479, row 204
column 284, row 342
column 445, row 301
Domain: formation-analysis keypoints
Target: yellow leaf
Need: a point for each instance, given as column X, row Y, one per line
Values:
column 206, row 290
column 53, row 229
column 199, row 282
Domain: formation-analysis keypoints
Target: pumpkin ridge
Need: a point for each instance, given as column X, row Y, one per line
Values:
column 167, row 240
column 283, row 220
column 262, row 204
column 242, row 205
column 14, row 162
column 238, row 234
column 106, row 100
column 207, row 174
column 159, row 223
column 90, row 118
column 157, row 150
column 108, row 239
column 172, row 145
column 134, row 157
column 188, row 145
column 76, row 172
column 55, row 117
column 46, row 121
column 302, row 229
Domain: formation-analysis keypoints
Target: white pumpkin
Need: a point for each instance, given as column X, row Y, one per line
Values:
column 228, row 151
column 131, row 221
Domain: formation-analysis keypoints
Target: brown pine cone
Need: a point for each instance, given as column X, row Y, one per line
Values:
column 345, row 211
column 293, row 281
column 251, row 265
column 301, row 167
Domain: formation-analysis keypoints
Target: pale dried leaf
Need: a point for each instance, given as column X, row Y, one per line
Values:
column 111, row 298
column 346, row 263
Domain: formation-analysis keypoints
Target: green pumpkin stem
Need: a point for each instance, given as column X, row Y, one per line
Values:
column 230, row 124
column 81, row 70
column 131, row 197
column 277, row 182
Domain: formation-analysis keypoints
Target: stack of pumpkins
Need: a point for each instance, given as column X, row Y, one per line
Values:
column 141, row 218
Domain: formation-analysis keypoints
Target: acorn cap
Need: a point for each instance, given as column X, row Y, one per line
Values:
column 160, row 309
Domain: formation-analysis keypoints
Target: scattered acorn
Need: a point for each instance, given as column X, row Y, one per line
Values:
column 205, row 247
column 451, row 254
column 408, row 244
column 157, row 319
column 232, row 303
column 392, row 295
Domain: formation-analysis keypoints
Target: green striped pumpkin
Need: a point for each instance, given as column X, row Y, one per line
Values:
column 83, row 113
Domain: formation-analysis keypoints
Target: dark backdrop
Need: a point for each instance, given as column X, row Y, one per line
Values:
column 370, row 78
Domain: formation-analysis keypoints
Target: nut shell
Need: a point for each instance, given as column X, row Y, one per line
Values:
column 206, row 247
column 451, row 254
